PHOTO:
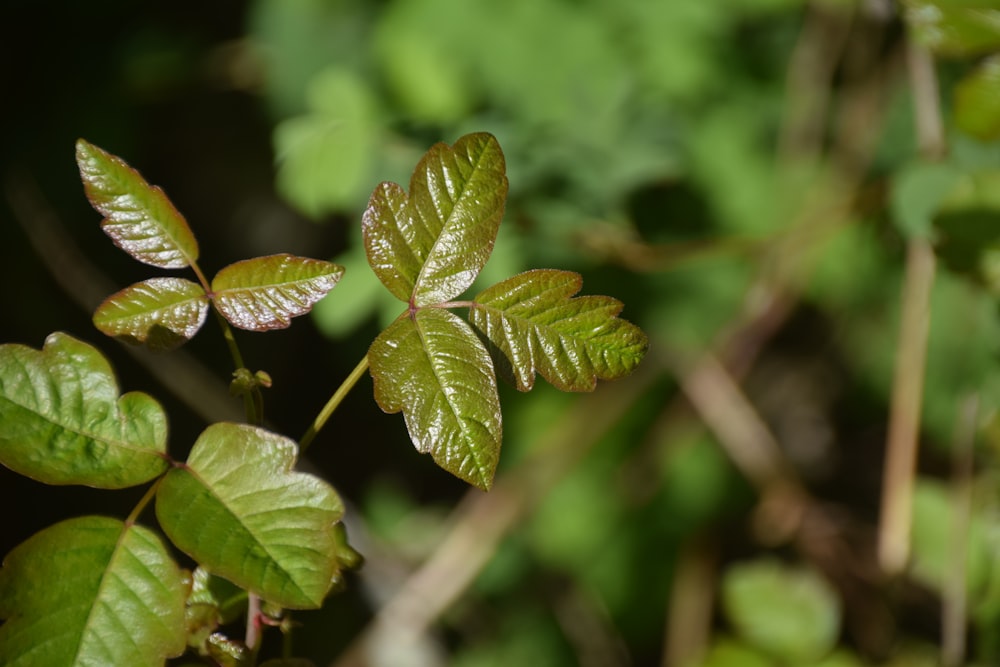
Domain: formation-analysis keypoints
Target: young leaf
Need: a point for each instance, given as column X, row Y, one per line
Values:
column 266, row 292
column 429, row 246
column 91, row 591
column 62, row 421
column 535, row 325
column 238, row 509
column 137, row 216
column 160, row 313
column 432, row 366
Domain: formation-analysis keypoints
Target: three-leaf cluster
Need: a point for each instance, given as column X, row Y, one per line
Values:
column 427, row 247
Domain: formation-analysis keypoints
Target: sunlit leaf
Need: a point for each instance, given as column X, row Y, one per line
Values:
column 977, row 101
column 63, row 422
column 160, row 313
column 430, row 245
column 91, row 591
column 266, row 292
column 535, row 325
column 955, row 27
column 137, row 216
column 432, row 366
column 239, row 509
column 790, row 613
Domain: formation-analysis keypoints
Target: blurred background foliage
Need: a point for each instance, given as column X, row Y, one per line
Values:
column 748, row 176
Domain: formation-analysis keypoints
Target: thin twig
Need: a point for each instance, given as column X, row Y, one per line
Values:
column 954, row 615
column 911, row 358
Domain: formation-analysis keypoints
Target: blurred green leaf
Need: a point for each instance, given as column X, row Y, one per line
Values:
column 967, row 228
column 160, row 313
column 432, row 367
column 535, row 324
column 91, row 591
column 429, row 246
column 62, row 420
column 417, row 45
column 325, row 156
column 266, row 292
column 918, row 191
column 791, row 613
column 730, row 653
column 238, row 509
column 955, row 27
column 933, row 540
column 977, row 100
column 137, row 216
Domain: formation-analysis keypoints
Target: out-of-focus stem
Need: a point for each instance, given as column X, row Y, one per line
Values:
column 911, row 357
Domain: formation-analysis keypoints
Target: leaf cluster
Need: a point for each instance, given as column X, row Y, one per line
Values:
column 109, row 590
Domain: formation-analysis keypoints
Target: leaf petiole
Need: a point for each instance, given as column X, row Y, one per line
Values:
column 333, row 403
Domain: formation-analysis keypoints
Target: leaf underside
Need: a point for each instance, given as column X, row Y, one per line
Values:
column 62, row 420
column 535, row 325
column 266, row 292
column 91, row 591
column 238, row 509
column 433, row 368
column 137, row 216
column 429, row 246
column 160, row 313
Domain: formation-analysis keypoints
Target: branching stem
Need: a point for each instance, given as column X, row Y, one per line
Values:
column 333, row 403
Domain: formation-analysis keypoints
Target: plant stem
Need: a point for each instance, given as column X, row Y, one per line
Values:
column 911, row 358
column 143, row 502
column 332, row 404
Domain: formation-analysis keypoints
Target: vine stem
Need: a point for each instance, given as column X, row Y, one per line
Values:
column 333, row 403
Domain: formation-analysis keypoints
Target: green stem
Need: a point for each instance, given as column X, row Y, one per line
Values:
column 332, row 404
column 143, row 502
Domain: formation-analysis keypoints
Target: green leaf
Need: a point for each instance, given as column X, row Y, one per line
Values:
column 91, row 591
column 62, row 421
column 137, row 216
column 238, row 509
column 791, row 613
column 977, row 101
column 266, row 292
column 325, row 156
column 429, row 246
column 955, row 27
column 535, row 325
column 432, row 366
column 918, row 191
column 160, row 313
column 213, row 601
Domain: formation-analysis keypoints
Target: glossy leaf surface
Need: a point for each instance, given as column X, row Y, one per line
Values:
column 91, row 591
column 266, row 292
column 62, row 420
column 239, row 509
column 137, row 216
column 536, row 326
column 434, row 369
column 160, row 313
column 430, row 245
